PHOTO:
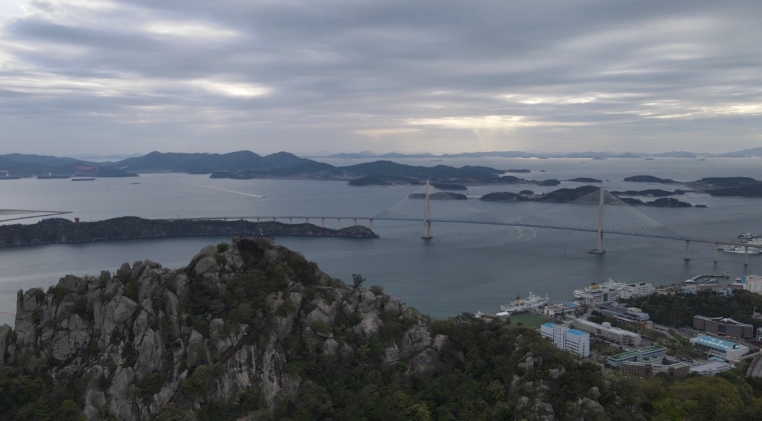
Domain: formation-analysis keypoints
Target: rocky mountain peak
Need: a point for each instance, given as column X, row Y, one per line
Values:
column 149, row 340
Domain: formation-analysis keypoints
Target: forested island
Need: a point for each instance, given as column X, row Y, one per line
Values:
column 253, row 331
column 566, row 195
column 59, row 230
column 650, row 193
column 648, row 179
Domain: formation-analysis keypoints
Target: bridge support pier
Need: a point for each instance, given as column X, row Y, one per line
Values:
column 370, row 224
column 355, row 221
column 290, row 220
column 687, row 256
column 746, row 256
column 716, row 247
column 427, row 230
column 323, row 222
column 338, row 222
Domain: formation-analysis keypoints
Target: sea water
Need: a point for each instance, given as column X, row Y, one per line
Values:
column 465, row 267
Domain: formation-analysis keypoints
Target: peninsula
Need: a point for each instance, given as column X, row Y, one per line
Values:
column 62, row 231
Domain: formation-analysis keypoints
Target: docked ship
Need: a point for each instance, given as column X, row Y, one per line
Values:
column 521, row 305
column 610, row 284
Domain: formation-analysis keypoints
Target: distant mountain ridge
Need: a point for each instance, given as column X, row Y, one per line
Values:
column 204, row 163
column 23, row 165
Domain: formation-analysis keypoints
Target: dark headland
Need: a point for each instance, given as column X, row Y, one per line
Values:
column 60, row 231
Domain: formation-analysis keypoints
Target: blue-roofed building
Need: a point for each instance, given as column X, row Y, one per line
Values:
column 572, row 340
column 720, row 347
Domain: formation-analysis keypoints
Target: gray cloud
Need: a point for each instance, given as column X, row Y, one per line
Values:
column 109, row 76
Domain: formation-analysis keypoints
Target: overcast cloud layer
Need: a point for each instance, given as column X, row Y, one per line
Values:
column 121, row 76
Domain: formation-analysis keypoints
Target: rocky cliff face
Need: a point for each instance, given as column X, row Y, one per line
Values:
column 253, row 331
column 147, row 339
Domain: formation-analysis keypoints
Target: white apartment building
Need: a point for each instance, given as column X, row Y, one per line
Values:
column 608, row 332
column 572, row 340
column 637, row 289
column 753, row 284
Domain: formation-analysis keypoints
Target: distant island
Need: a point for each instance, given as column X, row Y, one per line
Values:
column 649, row 192
column 665, row 202
column 649, row 179
column 61, row 231
column 569, row 195
column 244, row 165
column 557, row 196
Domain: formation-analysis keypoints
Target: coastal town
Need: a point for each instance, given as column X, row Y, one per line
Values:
column 604, row 324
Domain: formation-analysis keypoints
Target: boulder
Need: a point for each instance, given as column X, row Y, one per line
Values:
column 5, row 336
column 196, row 353
column 415, row 340
column 330, row 346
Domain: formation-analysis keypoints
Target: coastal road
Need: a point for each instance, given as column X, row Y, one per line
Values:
column 755, row 369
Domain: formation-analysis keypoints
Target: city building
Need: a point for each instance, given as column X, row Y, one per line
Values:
column 598, row 295
column 652, row 353
column 572, row 340
column 711, row 368
column 720, row 348
column 607, row 332
column 723, row 326
column 625, row 314
column 638, row 289
column 561, row 309
column 654, row 366
column 752, row 283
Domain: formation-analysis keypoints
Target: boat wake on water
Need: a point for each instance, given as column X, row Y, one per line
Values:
column 230, row 191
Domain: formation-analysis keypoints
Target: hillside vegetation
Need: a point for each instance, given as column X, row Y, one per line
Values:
column 253, row 331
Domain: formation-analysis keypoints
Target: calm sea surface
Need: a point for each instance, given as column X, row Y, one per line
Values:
column 465, row 267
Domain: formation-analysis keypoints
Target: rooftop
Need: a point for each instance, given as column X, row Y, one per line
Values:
column 550, row 325
column 715, row 343
column 610, row 329
column 576, row 332
column 630, row 354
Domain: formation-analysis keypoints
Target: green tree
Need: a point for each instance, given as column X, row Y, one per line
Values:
column 357, row 281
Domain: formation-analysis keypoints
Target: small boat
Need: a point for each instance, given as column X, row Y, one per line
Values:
column 134, row 183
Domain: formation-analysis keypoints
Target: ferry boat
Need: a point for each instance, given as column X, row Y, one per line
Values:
column 610, row 284
column 519, row 306
column 741, row 249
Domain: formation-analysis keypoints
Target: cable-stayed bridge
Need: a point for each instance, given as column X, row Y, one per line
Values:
column 598, row 212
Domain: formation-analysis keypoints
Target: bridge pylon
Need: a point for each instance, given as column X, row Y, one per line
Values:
column 600, row 249
column 427, row 215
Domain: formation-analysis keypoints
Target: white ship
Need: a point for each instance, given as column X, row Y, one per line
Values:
column 741, row 249
column 610, row 284
column 519, row 306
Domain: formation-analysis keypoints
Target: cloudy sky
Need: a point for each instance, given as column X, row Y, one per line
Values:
column 132, row 76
